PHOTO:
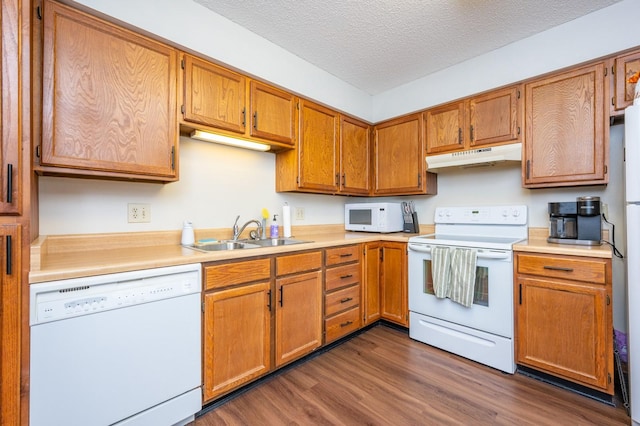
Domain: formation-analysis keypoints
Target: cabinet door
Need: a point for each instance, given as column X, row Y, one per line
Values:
column 109, row 99
column 563, row 328
column 298, row 316
column 494, row 117
column 566, row 140
column 272, row 113
column 237, row 337
column 10, row 135
column 393, row 283
column 10, row 320
column 399, row 156
column 445, row 128
column 213, row 95
column 625, row 67
column 371, row 283
column 317, row 148
column 355, row 177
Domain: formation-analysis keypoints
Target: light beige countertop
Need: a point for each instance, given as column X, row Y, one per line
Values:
column 537, row 243
column 73, row 256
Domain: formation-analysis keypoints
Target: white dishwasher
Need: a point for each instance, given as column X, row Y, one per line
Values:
column 117, row 349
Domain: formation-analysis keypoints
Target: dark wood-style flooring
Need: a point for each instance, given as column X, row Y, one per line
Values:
column 382, row 377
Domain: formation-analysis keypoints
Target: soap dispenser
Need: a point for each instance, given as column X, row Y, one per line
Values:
column 274, row 227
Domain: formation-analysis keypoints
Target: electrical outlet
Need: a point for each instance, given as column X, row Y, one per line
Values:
column 605, row 210
column 139, row 213
column 299, row 213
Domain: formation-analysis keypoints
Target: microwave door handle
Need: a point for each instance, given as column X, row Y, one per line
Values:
column 420, row 248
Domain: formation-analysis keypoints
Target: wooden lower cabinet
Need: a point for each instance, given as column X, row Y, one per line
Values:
column 385, row 283
column 258, row 314
column 371, row 283
column 237, row 337
column 564, row 318
column 298, row 316
column 394, row 304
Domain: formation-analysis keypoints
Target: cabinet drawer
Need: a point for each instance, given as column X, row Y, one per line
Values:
column 341, row 300
column 217, row 276
column 342, row 276
column 346, row 254
column 298, row 262
column 590, row 270
column 342, row 324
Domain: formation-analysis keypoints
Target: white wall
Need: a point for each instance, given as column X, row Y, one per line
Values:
column 217, row 183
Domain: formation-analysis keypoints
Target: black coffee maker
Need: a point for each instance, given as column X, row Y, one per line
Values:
column 576, row 222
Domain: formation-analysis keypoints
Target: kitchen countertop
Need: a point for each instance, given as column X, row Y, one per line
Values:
column 74, row 256
column 537, row 243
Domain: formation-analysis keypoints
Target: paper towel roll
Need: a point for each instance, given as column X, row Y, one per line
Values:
column 286, row 221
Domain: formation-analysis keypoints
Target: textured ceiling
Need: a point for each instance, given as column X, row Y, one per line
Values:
column 376, row 45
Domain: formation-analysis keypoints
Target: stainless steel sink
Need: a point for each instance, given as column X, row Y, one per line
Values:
column 225, row 245
column 273, row 242
column 245, row 244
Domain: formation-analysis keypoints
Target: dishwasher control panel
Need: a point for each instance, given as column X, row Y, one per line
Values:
column 63, row 299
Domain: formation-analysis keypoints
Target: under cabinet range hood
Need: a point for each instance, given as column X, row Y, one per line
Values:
column 475, row 157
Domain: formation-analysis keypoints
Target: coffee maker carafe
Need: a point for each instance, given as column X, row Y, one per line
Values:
column 575, row 222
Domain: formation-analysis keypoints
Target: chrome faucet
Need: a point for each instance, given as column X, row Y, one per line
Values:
column 238, row 230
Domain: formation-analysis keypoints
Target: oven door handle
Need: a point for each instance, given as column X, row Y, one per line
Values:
column 481, row 254
column 420, row 248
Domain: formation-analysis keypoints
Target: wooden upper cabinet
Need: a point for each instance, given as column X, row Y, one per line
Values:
column 495, row 117
column 625, row 67
column 566, row 130
column 213, row 95
column 444, row 128
column 273, row 113
column 10, row 142
column 109, row 100
column 399, row 158
column 355, row 148
column 318, row 147
column 489, row 119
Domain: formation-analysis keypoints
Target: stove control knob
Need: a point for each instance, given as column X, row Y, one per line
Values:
column 440, row 213
column 505, row 213
column 448, row 213
column 516, row 213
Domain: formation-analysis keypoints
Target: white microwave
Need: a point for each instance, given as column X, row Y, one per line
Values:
column 373, row 217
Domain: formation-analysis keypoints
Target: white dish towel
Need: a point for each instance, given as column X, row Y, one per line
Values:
column 463, row 275
column 441, row 271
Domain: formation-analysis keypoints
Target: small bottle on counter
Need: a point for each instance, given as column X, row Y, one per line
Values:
column 274, row 227
column 188, row 237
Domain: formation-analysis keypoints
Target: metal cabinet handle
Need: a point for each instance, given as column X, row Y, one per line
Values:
column 471, row 132
column 244, row 116
column 344, row 324
column 558, row 268
column 269, row 300
column 9, row 183
column 9, row 268
column 346, row 255
column 255, row 120
column 281, row 295
column 460, row 135
column 344, row 277
column 346, row 299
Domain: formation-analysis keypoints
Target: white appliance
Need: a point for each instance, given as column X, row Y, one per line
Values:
column 632, row 197
column 118, row 349
column 474, row 157
column 482, row 332
column 373, row 217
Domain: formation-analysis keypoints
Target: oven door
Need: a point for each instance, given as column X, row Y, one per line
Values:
column 492, row 309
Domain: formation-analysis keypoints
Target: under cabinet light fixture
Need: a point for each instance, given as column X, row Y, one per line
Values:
column 226, row 140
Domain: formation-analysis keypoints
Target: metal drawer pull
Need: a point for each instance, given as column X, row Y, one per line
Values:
column 346, row 299
column 344, row 324
column 342, row 277
column 558, row 268
column 346, row 255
